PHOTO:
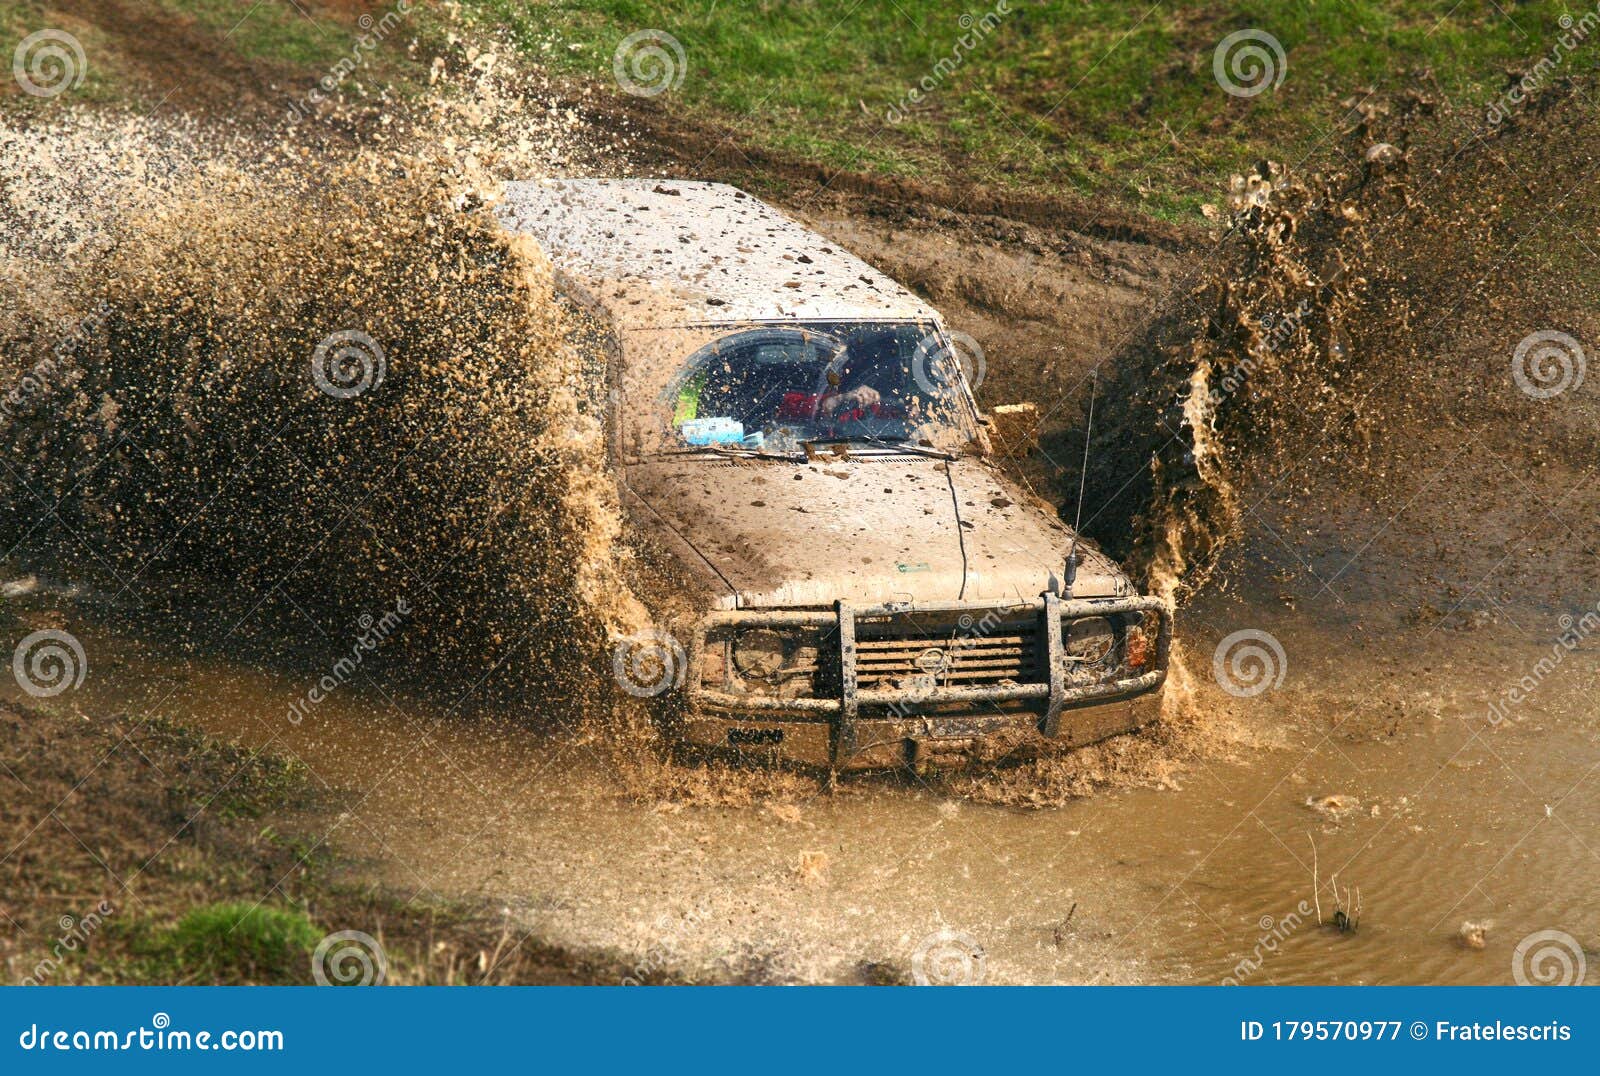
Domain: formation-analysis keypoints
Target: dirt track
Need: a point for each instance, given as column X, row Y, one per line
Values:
column 1409, row 526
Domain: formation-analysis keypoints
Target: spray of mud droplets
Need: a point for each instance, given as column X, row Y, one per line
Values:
column 188, row 432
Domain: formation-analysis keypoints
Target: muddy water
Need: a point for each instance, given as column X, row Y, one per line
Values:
column 1375, row 746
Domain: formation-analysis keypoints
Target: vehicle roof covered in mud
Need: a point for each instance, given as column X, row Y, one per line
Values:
column 659, row 253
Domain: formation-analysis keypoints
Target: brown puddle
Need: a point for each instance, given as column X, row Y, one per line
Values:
column 1437, row 816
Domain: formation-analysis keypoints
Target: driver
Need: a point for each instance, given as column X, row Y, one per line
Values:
column 757, row 394
column 831, row 405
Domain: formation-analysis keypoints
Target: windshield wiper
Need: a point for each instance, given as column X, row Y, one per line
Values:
column 889, row 446
column 735, row 453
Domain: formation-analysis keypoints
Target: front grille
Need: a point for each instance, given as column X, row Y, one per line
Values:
column 896, row 652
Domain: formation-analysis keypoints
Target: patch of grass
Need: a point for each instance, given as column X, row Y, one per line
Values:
column 229, row 942
column 173, row 841
column 256, row 782
column 297, row 35
column 1097, row 98
column 1100, row 97
column 129, row 62
column 98, row 79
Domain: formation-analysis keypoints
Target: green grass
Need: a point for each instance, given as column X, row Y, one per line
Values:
column 19, row 19
column 277, row 32
column 307, row 38
column 229, row 942
column 1100, row 97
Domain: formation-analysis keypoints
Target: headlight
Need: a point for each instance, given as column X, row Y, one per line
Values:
column 774, row 661
column 759, row 653
column 1088, row 640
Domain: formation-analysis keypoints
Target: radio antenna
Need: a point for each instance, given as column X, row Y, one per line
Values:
column 1083, row 477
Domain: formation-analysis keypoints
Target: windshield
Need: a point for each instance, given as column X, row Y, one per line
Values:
column 775, row 388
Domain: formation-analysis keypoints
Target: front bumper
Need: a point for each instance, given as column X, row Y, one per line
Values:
column 855, row 726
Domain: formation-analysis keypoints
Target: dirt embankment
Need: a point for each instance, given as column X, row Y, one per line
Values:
column 141, row 851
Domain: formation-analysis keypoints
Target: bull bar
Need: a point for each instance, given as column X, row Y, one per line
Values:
column 844, row 709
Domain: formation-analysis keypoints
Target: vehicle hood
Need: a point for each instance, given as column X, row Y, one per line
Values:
column 869, row 529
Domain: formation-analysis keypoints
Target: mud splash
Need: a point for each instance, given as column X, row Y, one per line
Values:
column 1362, row 310
column 330, row 384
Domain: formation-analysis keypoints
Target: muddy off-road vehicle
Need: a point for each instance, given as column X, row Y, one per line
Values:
column 796, row 431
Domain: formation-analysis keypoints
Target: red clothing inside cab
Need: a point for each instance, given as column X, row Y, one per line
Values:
column 804, row 406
